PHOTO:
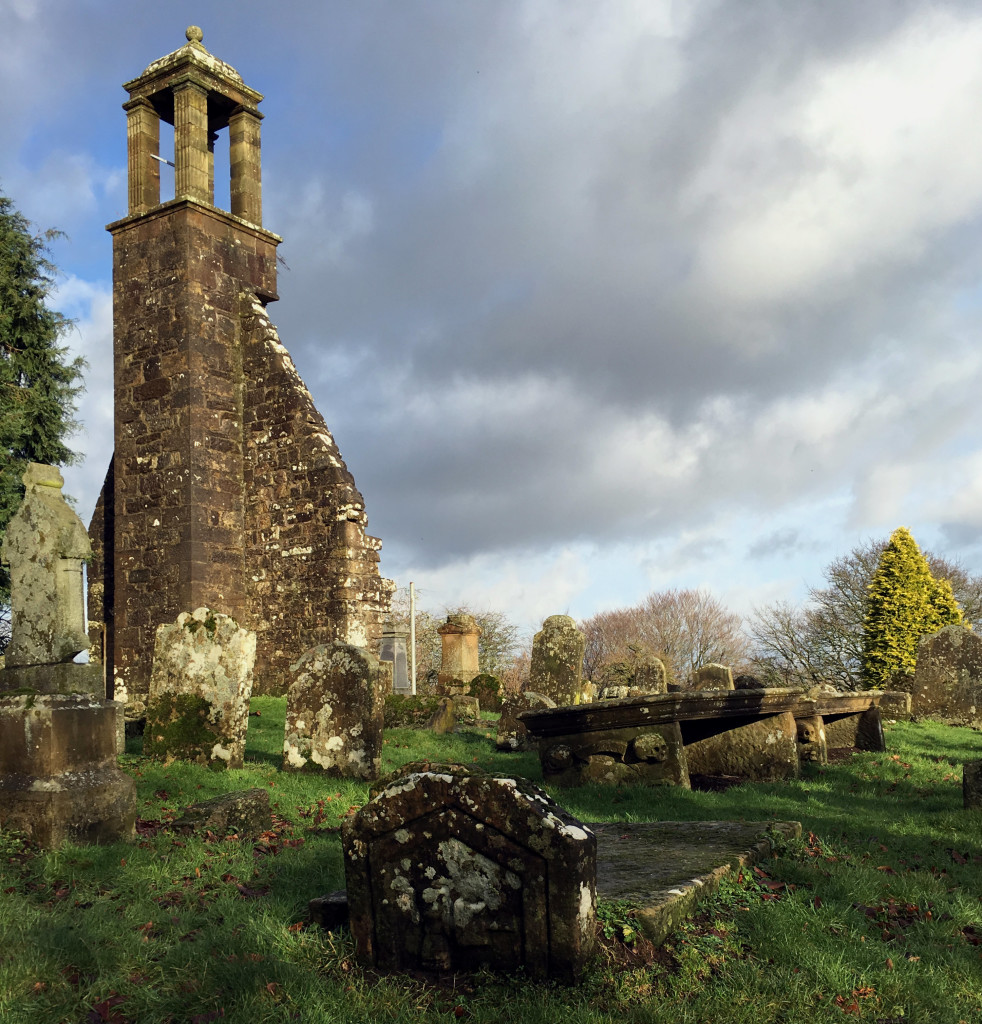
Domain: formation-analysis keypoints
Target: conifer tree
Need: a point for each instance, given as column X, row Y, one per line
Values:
column 905, row 604
column 38, row 382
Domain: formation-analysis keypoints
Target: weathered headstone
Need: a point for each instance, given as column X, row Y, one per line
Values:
column 947, row 682
column 634, row 678
column 463, row 871
column 58, row 775
column 459, row 661
column 489, row 691
column 972, row 785
column 444, row 719
column 392, row 649
column 512, row 734
column 45, row 545
column 712, row 677
column 557, row 660
column 334, row 713
column 200, row 685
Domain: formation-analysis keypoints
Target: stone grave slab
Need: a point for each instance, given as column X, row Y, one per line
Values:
column 667, row 867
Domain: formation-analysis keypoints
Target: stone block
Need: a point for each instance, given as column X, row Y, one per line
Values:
column 863, row 730
column 334, row 713
column 244, row 812
column 972, row 785
column 556, row 669
column 58, row 775
column 463, row 871
column 512, row 734
column 647, row 755
column 759, row 750
column 200, row 685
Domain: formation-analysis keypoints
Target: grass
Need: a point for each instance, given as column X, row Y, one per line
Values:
column 875, row 916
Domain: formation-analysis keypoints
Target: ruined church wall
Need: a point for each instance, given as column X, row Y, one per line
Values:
column 311, row 570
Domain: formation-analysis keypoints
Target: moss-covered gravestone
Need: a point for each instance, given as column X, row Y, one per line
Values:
column 334, row 713
column 58, row 775
column 200, row 684
column 947, row 682
column 557, row 660
column 448, row 870
column 512, row 734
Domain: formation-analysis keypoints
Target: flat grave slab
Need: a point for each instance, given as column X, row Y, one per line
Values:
column 668, row 867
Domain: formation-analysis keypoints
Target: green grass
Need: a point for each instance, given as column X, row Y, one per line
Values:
column 875, row 916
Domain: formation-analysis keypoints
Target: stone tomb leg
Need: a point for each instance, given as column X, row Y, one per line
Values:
column 863, row 730
column 761, row 749
column 458, row 871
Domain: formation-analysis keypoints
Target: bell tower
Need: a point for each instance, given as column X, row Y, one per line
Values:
column 226, row 489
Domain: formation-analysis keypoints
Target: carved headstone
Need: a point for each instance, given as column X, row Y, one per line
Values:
column 712, row 677
column 334, row 713
column 512, row 734
column 462, row 871
column 58, row 774
column 812, row 741
column 947, row 682
column 459, row 662
column 45, row 545
column 557, row 660
column 200, row 686
column 392, row 649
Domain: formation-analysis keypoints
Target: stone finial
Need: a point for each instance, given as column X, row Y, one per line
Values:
column 45, row 545
column 193, row 34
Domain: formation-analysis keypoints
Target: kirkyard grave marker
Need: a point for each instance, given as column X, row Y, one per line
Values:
column 58, row 774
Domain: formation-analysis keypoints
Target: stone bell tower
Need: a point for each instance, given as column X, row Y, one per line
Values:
column 226, row 488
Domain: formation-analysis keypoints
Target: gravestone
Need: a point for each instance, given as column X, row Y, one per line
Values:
column 464, row 871
column 512, row 734
column 459, row 660
column 972, row 785
column 200, row 685
column 489, row 691
column 245, row 812
column 712, row 677
column 947, row 681
column 444, row 719
column 392, row 649
column 556, row 670
column 58, row 775
column 335, row 713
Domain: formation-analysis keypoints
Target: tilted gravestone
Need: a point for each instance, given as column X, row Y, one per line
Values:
column 58, row 775
column 335, row 712
column 556, row 669
column 512, row 734
column 200, row 685
column 947, row 682
column 454, row 871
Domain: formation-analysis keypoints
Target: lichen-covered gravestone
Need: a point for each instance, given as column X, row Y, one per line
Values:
column 947, row 682
column 459, row 636
column 200, row 684
column 556, row 669
column 512, row 734
column 335, row 712
column 58, row 775
column 455, row 871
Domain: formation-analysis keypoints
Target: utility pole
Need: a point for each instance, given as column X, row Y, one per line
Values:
column 412, row 637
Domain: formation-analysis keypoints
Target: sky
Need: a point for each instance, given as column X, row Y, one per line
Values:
column 596, row 298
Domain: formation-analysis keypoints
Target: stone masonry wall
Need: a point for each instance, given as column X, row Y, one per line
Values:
column 228, row 490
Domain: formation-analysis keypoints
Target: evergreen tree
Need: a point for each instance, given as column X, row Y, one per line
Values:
column 38, row 382
column 905, row 604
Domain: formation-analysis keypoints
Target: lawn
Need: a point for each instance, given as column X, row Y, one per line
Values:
column 875, row 916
